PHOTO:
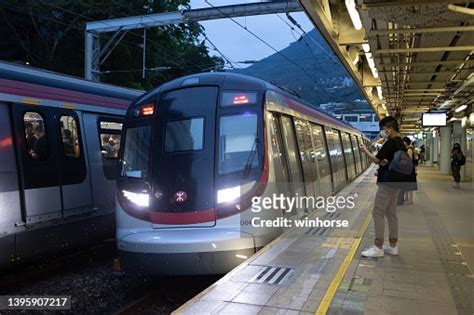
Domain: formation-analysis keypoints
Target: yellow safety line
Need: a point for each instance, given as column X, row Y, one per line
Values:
column 331, row 291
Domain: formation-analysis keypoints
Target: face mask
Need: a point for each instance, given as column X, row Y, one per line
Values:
column 383, row 135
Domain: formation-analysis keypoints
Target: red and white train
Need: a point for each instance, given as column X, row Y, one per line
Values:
column 194, row 153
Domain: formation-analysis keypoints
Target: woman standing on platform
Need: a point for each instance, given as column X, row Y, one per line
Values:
column 457, row 160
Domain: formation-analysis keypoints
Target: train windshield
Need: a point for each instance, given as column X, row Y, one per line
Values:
column 184, row 135
column 238, row 143
column 136, row 154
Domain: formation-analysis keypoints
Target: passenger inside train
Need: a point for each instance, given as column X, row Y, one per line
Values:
column 41, row 148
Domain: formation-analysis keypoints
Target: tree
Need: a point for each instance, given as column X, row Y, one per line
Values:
column 50, row 35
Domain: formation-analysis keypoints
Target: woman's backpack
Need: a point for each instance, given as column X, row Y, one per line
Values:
column 462, row 160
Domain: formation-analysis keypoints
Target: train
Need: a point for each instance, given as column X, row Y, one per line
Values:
column 59, row 144
column 194, row 154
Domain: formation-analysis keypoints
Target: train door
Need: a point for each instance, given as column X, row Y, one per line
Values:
column 305, row 145
column 10, row 207
column 73, row 176
column 356, row 149
column 279, row 160
column 53, row 171
column 292, row 153
column 341, row 157
column 336, row 158
column 349, row 155
column 103, row 134
column 184, row 162
column 322, row 157
column 34, row 139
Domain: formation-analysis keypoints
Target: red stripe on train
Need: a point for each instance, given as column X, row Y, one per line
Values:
column 52, row 93
column 196, row 217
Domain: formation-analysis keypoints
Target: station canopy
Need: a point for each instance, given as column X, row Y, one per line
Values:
column 409, row 57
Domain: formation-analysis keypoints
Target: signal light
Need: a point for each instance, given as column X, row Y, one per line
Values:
column 242, row 99
column 147, row 110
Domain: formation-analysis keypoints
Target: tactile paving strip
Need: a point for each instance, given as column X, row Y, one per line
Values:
column 272, row 275
column 460, row 279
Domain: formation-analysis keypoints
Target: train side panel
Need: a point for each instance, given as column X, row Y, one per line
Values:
column 10, row 206
column 103, row 170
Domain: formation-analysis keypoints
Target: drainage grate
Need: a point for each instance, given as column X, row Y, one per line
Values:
column 272, row 275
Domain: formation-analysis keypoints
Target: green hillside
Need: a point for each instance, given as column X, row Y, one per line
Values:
column 325, row 80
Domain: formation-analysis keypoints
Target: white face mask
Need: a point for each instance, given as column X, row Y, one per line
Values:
column 383, row 135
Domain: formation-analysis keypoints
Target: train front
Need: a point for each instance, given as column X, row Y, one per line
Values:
column 192, row 156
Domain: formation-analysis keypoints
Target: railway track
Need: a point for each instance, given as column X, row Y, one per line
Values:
column 166, row 294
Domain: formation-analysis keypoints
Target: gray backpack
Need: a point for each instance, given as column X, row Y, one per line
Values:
column 401, row 163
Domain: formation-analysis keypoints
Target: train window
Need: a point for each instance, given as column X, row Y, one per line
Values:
column 184, row 135
column 349, row 155
column 136, row 155
column 322, row 157
column 303, row 138
column 361, row 155
column 238, row 143
column 289, row 141
column 70, row 136
column 355, row 147
column 110, row 138
column 35, row 132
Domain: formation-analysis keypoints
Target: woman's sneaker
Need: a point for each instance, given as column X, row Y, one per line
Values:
column 373, row 251
column 390, row 250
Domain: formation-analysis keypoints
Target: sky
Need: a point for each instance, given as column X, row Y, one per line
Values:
column 239, row 45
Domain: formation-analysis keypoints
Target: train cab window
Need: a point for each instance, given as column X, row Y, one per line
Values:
column 184, row 135
column 70, row 137
column 136, row 154
column 35, row 132
column 238, row 143
column 109, row 136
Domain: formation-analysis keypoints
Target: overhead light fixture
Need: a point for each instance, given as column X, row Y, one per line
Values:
column 379, row 92
column 469, row 81
column 370, row 61
column 354, row 14
column 460, row 108
column 366, row 48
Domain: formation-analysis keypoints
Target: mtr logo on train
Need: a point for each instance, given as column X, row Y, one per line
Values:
column 180, row 197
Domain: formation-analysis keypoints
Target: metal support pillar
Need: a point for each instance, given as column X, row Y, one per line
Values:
column 144, row 54
column 445, row 156
column 91, row 59
column 429, row 149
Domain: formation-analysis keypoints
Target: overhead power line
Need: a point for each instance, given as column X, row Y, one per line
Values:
column 271, row 47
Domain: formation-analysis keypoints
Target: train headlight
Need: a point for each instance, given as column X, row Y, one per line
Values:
column 228, row 194
column 140, row 199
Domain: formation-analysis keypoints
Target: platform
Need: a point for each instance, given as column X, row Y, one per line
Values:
column 318, row 270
